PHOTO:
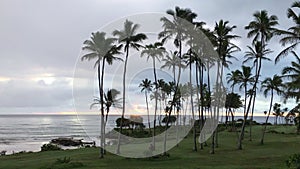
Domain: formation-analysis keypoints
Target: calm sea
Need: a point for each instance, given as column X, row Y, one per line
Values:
column 30, row 132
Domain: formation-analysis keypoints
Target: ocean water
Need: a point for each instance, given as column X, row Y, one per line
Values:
column 30, row 132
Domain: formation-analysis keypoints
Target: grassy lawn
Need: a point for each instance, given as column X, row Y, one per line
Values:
column 272, row 155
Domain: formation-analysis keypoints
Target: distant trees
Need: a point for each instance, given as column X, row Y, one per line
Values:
column 146, row 86
column 233, row 102
column 278, row 112
column 171, row 119
column 123, row 122
column 134, row 122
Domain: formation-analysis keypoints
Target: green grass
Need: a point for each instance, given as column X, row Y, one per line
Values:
column 272, row 155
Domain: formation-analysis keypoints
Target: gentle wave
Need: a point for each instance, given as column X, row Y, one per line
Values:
column 29, row 132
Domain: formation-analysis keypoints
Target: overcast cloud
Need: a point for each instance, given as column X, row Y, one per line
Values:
column 40, row 41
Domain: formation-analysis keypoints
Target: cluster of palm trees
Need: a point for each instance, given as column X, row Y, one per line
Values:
column 192, row 54
column 263, row 29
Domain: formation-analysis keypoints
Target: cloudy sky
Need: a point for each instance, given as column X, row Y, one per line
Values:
column 41, row 40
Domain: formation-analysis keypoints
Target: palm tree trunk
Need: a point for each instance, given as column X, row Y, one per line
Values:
column 212, row 151
column 102, row 110
column 209, row 93
column 105, row 122
column 192, row 108
column 155, row 110
column 124, row 94
column 251, row 117
column 213, row 140
column 177, row 129
column 226, row 117
column 99, row 86
column 258, row 68
column 199, row 90
column 166, row 130
column 244, row 122
column 174, row 73
column 265, row 126
column 165, row 140
column 160, row 109
column 202, row 101
column 214, row 114
column 222, row 87
column 233, row 123
column 253, row 105
column 208, row 77
column 245, row 103
column 146, row 96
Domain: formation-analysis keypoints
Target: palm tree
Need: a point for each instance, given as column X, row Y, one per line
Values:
column 176, row 28
column 277, row 112
column 198, row 56
column 190, row 61
column 233, row 101
column 262, row 28
column 271, row 85
column 174, row 102
column 154, row 51
column 246, row 79
column 208, row 61
column 185, row 94
column 110, row 100
column 130, row 39
column 225, row 48
column 160, row 84
column 224, row 45
column 233, row 77
column 146, row 86
column 283, row 111
column 256, row 55
column 172, row 62
column 101, row 48
column 292, row 73
column 292, row 35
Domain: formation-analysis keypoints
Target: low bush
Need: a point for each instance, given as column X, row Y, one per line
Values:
column 50, row 147
column 294, row 161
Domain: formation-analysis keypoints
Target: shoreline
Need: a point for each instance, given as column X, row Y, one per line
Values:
column 17, row 136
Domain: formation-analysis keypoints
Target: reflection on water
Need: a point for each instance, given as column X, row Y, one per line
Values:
column 30, row 132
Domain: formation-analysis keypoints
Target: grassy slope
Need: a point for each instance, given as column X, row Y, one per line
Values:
column 273, row 154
